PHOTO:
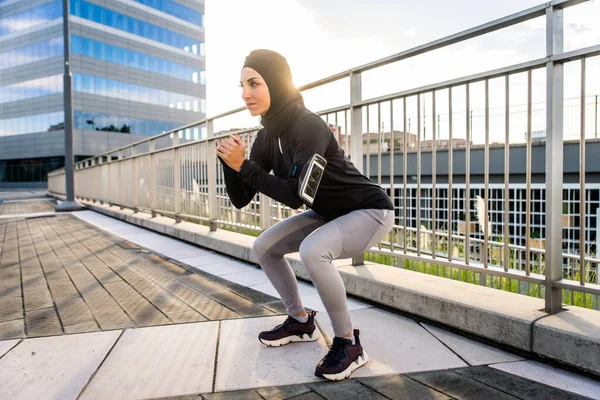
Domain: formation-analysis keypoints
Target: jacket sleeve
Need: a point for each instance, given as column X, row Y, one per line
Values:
column 311, row 136
column 239, row 192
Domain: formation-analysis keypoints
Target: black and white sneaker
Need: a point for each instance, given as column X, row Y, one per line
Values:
column 343, row 358
column 291, row 330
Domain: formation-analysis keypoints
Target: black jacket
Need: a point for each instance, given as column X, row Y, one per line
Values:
column 343, row 188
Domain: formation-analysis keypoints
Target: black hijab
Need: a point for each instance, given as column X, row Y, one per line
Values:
column 286, row 100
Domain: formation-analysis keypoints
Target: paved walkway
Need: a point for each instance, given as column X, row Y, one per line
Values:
column 78, row 279
column 94, row 308
column 11, row 208
column 22, row 194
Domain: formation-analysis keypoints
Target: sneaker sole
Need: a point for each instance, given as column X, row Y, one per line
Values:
column 362, row 360
column 291, row 339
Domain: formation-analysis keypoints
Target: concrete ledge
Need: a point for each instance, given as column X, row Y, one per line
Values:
column 571, row 337
column 500, row 316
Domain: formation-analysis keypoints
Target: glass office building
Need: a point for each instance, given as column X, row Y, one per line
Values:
column 138, row 69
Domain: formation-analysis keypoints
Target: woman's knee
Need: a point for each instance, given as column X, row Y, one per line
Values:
column 261, row 246
column 266, row 245
column 312, row 253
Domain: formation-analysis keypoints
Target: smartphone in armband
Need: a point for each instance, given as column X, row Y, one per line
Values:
column 307, row 190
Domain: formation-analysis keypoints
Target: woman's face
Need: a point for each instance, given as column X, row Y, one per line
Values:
column 255, row 92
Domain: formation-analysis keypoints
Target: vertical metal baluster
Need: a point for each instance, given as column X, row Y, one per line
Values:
column 506, row 248
column 368, row 158
column 486, row 177
column 468, row 180
column 582, row 196
column 433, row 175
column 450, row 175
column 404, row 171
column 419, row 174
column 392, row 174
column 379, row 144
column 528, row 178
column 338, row 131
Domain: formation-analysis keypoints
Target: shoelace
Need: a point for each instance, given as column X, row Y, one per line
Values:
column 285, row 324
column 337, row 348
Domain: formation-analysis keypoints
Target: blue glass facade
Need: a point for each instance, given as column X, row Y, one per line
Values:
column 32, row 123
column 127, row 91
column 117, row 123
column 132, row 25
column 105, row 16
column 41, row 91
column 133, row 59
column 30, row 18
column 100, row 86
column 84, row 120
column 32, row 53
column 101, row 51
column 175, row 9
column 33, row 88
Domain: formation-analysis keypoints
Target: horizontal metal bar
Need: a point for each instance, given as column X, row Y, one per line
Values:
column 562, row 4
column 225, row 114
column 590, row 51
column 337, row 109
column 586, row 259
column 590, row 288
column 495, row 73
column 510, row 20
column 574, row 55
column 160, row 135
column 325, row 81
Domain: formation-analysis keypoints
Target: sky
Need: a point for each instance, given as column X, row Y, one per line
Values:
column 322, row 37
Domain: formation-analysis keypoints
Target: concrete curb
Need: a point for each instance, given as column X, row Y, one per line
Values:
column 571, row 337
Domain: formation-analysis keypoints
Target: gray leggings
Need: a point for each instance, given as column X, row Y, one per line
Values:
column 319, row 242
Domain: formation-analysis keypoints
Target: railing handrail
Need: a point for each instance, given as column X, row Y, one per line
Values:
column 501, row 23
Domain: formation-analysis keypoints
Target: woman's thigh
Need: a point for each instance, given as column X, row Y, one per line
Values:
column 351, row 234
column 286, row 236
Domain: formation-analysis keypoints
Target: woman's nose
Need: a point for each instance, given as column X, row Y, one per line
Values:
column 245, row 93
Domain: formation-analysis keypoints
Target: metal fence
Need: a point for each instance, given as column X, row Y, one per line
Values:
column 167, row 175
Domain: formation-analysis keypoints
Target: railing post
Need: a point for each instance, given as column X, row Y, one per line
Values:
column 211, row 166
column 265, row 211
column 135, row 187
column 121, row 180
column 99, row 190
column 176, row 177
column 554, row 159
column 356, row 135
column 110, row 191
column 152, row 183
column 94, row 174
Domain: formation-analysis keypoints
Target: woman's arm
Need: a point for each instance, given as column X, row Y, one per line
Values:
column 312, row 136
column 239, row 192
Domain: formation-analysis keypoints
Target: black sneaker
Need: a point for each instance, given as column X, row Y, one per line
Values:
column 291, row 330
column 343, row 358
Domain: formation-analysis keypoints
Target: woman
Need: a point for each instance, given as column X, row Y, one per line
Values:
column 349, row 213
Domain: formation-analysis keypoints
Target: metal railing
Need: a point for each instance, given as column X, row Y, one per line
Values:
column 167, row 175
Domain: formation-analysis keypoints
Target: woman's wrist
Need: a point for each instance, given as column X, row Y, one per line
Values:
column 239, row 167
